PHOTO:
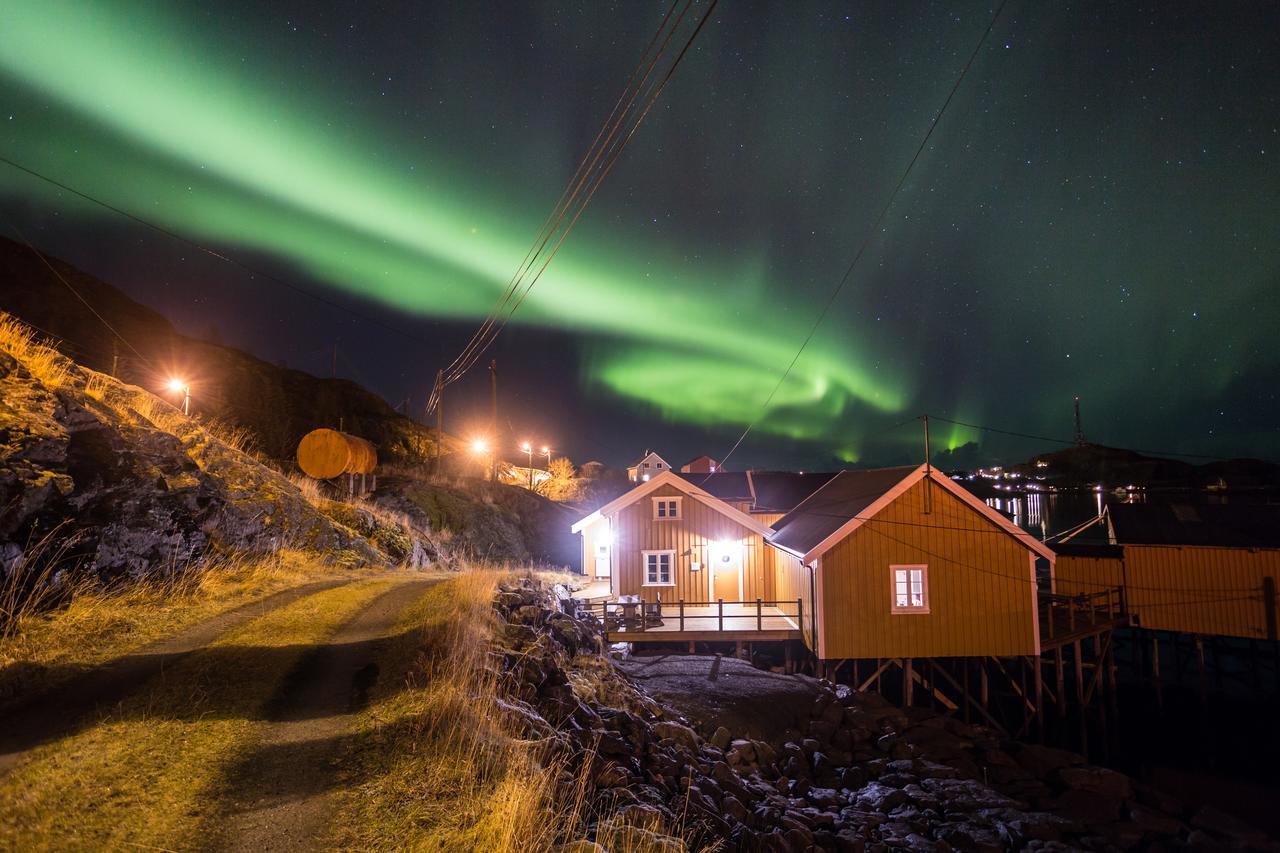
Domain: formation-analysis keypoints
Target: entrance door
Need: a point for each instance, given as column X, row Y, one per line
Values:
column 602, row 561
column 726, row 571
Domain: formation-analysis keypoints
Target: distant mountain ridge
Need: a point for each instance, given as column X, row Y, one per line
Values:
column 1092, row 464
column 276, row 404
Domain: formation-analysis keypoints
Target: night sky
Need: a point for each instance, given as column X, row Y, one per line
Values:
column 1097, row 213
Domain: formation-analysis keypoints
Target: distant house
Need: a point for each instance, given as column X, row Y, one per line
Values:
column 592, row 470
column 1199, row 569
column 904, row 563
column 647, row 467
column 663, row 537
column 700, row 465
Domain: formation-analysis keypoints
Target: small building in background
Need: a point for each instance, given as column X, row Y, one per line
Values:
column 647, row 467
column 700, row 465
column 1199, row 569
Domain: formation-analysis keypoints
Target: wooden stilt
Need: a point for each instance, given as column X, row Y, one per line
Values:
column 908, row 680
column 1060, row 684
column 965, row 666
column 1039, row 712
column 1100, row 653
column 984, row 688
column 1155, row 671
column 1204, row 690
column 1084, row 718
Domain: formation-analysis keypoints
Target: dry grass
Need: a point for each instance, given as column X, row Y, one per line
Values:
column 147, row 775
column 92, row 624
column 439, row 765
column 45, row 363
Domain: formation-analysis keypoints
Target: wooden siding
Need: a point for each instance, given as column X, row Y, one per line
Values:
column 1189, row 589
column 982, row 600
column 635, row 530
column 792, row 583
column 767, row 518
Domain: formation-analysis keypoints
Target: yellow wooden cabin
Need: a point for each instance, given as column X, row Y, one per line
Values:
column 669, row 538
column 1192, row 569
column 904, row 563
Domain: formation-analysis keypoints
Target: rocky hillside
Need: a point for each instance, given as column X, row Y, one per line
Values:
column 104, row 476
column 832, row 769
column 276, row 404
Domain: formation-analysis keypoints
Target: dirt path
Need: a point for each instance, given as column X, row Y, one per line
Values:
column 61, row 710
column 278, row 794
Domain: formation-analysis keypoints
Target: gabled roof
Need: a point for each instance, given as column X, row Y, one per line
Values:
column 851, row 498
column 1221, row 525
column 669, row 478
column 647, row 453
column 726, row 485
column 765, row 491
column 783, row 491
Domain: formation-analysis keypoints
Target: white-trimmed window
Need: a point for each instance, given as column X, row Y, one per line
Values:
column 666, row 508
column 659, row 567
column 910, row 589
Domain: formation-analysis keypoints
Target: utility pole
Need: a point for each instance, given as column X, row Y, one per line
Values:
column 115, row 359
column 1080, row 442
column 439, row 415
column 928, row 471
column 493, row 419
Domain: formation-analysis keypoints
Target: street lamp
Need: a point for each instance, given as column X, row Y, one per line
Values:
column 528, row 449
column 480, row 447
column 179, row 387
column 546, row 451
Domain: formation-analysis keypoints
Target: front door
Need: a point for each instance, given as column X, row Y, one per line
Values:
column 602, row 561
column 726, row 571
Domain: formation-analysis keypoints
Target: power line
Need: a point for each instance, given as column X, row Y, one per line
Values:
column 872, row 232
column 253, row 271
column 589, row 180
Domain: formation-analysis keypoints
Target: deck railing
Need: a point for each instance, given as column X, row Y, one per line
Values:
column 645, row 615
column 1067, row 615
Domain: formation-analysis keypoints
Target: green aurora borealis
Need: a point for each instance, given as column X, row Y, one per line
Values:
column 1040, row 250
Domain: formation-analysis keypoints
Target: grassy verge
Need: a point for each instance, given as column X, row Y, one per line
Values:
column 38, row 649
column 433, row 764
column 143, row 776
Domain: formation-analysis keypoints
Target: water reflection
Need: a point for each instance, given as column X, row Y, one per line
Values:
column 1048, row 513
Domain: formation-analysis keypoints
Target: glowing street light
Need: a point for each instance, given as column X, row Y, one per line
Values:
column 177, row 386
column 480, row 447
column 546, row 451
column 528, row 449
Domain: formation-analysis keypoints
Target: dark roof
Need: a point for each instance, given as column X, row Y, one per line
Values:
column 782, row 491
column 725, row 485
column 826, row 510
column 1224, row 525
column 1073, row 548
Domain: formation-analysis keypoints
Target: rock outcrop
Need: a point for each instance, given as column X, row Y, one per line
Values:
column 856, row 774
column 102, row 476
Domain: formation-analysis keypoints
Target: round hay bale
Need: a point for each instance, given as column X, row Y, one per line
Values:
column 324, row 454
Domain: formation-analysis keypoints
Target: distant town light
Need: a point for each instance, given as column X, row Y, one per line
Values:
column 525, row 446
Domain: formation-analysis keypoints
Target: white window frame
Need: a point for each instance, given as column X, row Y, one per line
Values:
column 894, row 607
column 671, row 568
column 671, row 499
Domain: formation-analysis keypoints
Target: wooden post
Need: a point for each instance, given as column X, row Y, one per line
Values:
column 965, row 666
column 907, row 685
column 682, row 615
column 737, row 650
column 1060, row 683
column 1269, row 605
column 435, row 454
column 984, row 687
column 790, row 666
column 759, row 615
column 1204, row 694
column 721, row 612
column 642, row 616
column 1155, row 671
column 1039, row 711
column 1084, row 717
column 1099, row 656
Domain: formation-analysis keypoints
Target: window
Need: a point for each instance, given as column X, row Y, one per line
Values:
column 666, row 508
column 910, row 589
column 657, row 568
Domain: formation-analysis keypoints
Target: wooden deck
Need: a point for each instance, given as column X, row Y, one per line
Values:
column 1068, row 618
column 719, row 621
